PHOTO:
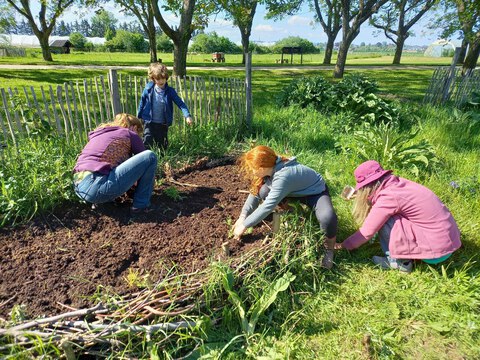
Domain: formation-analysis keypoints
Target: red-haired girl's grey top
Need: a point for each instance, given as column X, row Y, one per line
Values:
column 289, row 179
column 424, row 228
column 107, row 148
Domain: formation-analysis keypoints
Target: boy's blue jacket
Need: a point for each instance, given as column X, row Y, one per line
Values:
column 145, row 106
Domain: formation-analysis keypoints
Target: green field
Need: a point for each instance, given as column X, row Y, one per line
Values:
column 433, row 313
column 204, row 60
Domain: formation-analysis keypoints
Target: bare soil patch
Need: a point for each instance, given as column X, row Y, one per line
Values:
column 66, row 257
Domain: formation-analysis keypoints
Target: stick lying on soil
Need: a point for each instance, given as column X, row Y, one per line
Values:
column 99, row 308
column 169, row 175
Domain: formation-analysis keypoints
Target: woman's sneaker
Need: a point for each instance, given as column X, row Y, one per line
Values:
column 397, row 264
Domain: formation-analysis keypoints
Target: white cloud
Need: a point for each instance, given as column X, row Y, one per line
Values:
column 299, row 20
column 267, row 28
column 221, row 22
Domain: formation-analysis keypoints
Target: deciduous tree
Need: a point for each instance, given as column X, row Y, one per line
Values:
column 242, row 13
column 328, row 14
column 44, row 22
column 193, row 15
column 468, row 12
column 142, row 10
column 102, row 22
column 397, row 18
column 462, row 18
column 354, row 14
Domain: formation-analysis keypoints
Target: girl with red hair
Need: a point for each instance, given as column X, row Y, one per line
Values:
column 274, row 178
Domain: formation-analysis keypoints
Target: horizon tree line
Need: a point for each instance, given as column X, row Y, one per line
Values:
column 342, row 18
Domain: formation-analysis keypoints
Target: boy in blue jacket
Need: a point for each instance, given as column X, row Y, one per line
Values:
column 156, row 107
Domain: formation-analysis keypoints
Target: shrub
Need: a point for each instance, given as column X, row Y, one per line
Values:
column 78, row 40
column 391, row 148
column 127, row 41
column 209, row 43
column 355, row 94
column 295, row 41
column 164, row 44
column 306, row 91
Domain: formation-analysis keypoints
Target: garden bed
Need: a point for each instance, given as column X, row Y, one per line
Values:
column 62, row 260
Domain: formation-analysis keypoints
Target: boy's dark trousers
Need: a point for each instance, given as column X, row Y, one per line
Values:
column 155, row 134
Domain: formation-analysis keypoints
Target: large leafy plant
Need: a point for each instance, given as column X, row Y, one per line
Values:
column 355, row 94
column 306, row 91
column 392, row 149
column 250, row 318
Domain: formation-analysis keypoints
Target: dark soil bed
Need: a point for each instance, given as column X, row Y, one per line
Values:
column 66, row 257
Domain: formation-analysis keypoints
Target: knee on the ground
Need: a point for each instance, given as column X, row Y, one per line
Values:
column 328, row 222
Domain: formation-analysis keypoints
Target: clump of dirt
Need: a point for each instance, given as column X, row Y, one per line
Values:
column 66, row 257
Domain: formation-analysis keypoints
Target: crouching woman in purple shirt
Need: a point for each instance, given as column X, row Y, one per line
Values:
column 411, row 221
column 113, row 160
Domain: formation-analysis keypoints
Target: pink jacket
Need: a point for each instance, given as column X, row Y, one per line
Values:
column 424, row 228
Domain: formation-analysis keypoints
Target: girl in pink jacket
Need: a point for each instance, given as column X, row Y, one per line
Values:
column 411, row 221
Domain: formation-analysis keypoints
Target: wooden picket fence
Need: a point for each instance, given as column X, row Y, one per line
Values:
column 75, row 108
column 449, row 85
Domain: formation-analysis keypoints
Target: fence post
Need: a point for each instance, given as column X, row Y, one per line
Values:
column 248, row 88
column 114, row 92
column 451, row 76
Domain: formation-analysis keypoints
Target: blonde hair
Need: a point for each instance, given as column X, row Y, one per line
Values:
column 362, row 203
column 157, row 71
column 125, row 120
column 260, row 156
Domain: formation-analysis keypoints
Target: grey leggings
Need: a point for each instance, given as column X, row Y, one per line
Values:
column 321, row 203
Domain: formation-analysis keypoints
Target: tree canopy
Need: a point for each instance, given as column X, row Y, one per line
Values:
column 209, row 43
column 291, row 41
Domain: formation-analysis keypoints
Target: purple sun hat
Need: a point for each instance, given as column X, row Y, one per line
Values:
column 368, row 172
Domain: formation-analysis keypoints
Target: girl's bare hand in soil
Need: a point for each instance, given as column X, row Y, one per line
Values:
column 238, row 228
column 338, row 246
column 238, row 231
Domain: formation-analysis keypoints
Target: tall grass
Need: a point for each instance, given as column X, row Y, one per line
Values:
column 357, row 310
column 35, row 177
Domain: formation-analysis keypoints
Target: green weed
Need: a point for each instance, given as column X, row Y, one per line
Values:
column 249, row 318
column 173, row 193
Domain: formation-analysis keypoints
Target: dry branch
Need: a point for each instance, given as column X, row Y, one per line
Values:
column 94, row 310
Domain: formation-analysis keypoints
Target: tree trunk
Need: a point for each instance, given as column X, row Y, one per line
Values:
column 342, row 58
column 327, row 60
column 152, row 40
column 46, row 53
column 245, row 44
column 472, row 56
column 180, row 49
column 399, row 49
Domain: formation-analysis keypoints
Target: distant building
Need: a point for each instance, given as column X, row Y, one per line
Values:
column 31, row 41
column 60, row 46
column 441, row 48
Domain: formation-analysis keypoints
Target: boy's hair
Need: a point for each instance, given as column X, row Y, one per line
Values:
column 157, row 71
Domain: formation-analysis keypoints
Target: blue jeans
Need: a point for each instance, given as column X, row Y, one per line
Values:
column 97, row 188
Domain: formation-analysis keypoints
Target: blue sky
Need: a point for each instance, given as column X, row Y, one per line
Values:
column 269, row 31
